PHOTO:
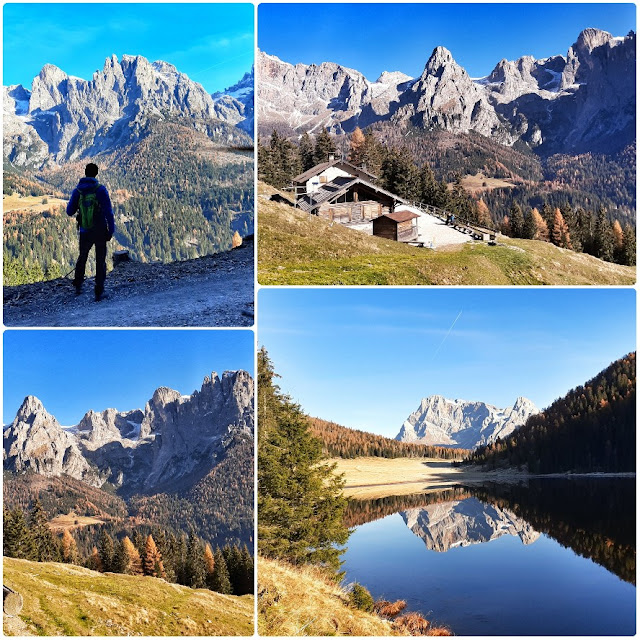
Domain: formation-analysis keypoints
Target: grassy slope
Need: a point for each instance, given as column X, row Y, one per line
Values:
column 299, row 601
column 295, row 248
column 64, row 599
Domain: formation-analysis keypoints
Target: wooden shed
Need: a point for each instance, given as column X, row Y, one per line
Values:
column 401, row 226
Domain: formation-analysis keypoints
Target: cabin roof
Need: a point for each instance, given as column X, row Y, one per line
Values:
column 334, row 189
column 319, row 168
column 401, row 216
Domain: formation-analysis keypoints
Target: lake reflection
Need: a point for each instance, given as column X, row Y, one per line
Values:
column 554, row 557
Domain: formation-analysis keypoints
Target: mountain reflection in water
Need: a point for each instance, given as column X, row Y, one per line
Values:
column 465, row 522
column 594, row 517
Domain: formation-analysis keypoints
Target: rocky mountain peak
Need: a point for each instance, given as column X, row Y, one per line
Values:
column 110, row 111
column 440, row 57
column 460, row 423
column 393, row 77
column 591, row 38
column 29, row 407
column 176, row 438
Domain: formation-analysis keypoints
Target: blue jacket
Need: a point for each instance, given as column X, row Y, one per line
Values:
column 102, row 195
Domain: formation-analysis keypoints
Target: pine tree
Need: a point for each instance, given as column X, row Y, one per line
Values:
column 516, row 221
column 300, row 503
column 132, row 562
column 603, row 236
column 152, row 564
column 47, row 548
column 305, row 152
column 106, row 551
column 220, row 581
column 69, row 548
column 324, row 147
column 428, row 186
column 629, row 248
column 246, row 582
column 195, row 568
column 505, row 227
column 17, row 541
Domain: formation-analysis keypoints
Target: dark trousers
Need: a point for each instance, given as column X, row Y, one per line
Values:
column 87, row 240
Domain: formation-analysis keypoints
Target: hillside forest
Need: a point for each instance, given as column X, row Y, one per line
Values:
column 176, row 195
column 181, row 559
column 342, row 442
column 592, row 428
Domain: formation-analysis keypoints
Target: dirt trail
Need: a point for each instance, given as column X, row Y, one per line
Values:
column 214, row 291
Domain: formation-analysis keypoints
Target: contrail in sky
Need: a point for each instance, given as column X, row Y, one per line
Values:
column 435, row 353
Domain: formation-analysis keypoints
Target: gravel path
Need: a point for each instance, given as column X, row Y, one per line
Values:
column 215, row 291
column 431, row 230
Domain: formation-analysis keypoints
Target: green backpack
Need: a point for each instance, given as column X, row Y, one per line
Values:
column 87, row 208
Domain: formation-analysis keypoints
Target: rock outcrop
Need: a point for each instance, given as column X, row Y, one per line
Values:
column 584, row 101
column 175, row 440
column 70, row 117
column 460, row 423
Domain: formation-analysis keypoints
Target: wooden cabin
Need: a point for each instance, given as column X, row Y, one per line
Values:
column 341, row 192
column 401, row 226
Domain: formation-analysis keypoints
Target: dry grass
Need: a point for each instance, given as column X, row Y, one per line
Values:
column 61, row 599
column 388, row 609
column 295, row 248
column 72, row 521
column 414, row 624
column 301, row 601
column 478, row 183
column 379, row 477
column 31, row 203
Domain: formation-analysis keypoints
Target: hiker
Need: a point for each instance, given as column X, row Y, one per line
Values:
column 90, row 201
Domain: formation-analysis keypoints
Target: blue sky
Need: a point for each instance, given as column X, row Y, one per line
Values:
column 74, row 371
column 212, row 43
column 400, row 37
column 365, row 357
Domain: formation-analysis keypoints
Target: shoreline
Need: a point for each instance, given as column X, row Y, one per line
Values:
column 370, row 477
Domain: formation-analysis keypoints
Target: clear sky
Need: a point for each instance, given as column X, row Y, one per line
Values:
column 366, row 357
column 372, row 38
column 74, row 371
column 212, row 43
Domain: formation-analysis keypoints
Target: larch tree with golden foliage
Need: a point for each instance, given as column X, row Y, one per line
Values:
column 132, row 561
column 94, row 562
column 483, row 216
column 541, row 228
column 209, row 564
column 152, row 565
column 560, row 232
column 356, row 146
column 69, row 548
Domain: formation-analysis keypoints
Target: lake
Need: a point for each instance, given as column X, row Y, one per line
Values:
column 552, row 557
